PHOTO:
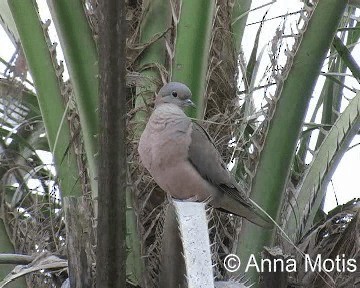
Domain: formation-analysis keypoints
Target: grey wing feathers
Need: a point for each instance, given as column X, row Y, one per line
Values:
column 208, row 162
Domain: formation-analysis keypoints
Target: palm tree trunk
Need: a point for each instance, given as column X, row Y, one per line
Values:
column 111, row 231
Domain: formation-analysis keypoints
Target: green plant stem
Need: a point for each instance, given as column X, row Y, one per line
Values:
column 239, row 17
column 41, row 66
column 277, row 155
column 347, row 57
column 313, row 187
column 81, row 59
column 192, row 49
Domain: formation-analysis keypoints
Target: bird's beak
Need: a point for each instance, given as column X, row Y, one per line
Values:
column 188, row 102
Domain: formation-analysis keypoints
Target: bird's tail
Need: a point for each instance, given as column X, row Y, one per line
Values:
column 260, row 219
column 251, row 211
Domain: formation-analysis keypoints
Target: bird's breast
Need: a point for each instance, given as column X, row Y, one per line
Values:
column 165, row 141
column 170, row 145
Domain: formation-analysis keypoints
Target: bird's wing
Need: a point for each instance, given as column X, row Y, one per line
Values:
column 204, row 156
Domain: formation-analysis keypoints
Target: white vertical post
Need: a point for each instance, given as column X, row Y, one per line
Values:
column 193, row 226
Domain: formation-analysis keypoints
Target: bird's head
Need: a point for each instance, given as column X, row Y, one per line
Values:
column 174, row 93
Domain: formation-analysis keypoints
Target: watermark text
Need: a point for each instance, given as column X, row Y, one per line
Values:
column 316, row 263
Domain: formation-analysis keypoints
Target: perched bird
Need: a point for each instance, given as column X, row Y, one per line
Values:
column 183, row 160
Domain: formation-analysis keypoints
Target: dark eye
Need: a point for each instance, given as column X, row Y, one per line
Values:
column 174, row 93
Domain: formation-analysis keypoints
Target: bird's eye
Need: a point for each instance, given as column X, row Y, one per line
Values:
column 174, row 93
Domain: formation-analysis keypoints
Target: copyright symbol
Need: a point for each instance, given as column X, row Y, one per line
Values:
column 232, row 263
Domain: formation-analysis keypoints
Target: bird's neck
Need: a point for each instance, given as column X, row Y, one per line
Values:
column 166, row 114
column 169, row 110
